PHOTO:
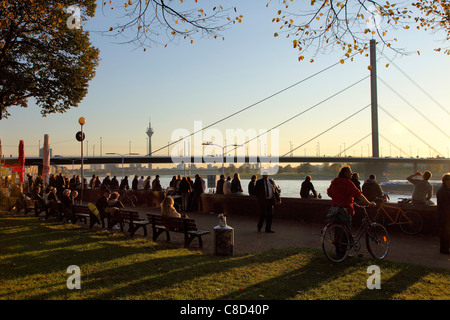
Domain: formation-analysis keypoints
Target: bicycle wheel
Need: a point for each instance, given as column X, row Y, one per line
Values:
column 410, row 222
column 335, row 242
column 377, row 240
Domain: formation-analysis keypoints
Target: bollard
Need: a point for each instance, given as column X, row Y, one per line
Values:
column 223, row 238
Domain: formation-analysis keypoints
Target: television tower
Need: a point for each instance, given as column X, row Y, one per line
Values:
column 149, row 134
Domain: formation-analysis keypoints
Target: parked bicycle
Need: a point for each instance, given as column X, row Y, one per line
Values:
column 410, row 222
column 338, row 240
column 129, row 198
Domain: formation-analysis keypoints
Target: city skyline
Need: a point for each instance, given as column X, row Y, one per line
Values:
column 213, row 79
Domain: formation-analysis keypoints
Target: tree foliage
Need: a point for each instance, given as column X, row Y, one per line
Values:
column 322, row 25
column 160, row 22
column 41, row 57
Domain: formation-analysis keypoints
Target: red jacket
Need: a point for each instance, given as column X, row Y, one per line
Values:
column 343, row 192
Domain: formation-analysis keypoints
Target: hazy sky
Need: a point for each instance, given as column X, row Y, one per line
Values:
column 184, row 85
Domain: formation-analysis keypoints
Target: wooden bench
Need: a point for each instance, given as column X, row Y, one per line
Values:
column 131, row 218
column 54, row 209
column 186, row 226
column 82, row 213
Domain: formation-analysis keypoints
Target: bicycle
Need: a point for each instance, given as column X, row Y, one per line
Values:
column 410, row 222
column 129, row 198
column 338, row 240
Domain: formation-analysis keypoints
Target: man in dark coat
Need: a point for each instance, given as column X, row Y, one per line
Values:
column 265, row 192
column 443, row 210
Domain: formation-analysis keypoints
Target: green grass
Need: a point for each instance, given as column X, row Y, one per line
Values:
column 35, row 254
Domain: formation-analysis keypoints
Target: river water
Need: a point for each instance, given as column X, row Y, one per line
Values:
column 291, row 188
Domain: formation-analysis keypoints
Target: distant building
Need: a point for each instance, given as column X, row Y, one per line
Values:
column 149, row 134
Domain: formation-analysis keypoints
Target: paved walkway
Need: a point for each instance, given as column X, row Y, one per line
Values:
column 417, row 249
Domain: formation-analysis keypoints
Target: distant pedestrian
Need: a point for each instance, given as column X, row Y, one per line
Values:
column 443, row 210
column 355, row 180
column 199, row 188
column 124, row 184
column 114, row 183
column 156, row 184
column 219, row 186
column 140, row 185
column 134, row 183
column 252, row 186
column 227, row 186
column 265, row 191
column 236, row 187
column 185, row 190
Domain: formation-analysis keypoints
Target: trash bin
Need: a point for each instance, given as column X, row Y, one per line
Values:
column 223, row 238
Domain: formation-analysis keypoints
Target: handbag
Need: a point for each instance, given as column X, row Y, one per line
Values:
column 276, row 196
column 338, row 214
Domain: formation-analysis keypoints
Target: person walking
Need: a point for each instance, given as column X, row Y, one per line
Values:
column 443, row 210
column 265, row 190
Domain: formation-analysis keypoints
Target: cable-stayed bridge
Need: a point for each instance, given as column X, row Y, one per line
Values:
column 288, row 157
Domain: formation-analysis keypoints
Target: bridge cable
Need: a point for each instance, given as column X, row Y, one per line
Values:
column 412, row 132
column 323, row 132
column 304, row 111
column 339, row 154
column 431, row 122
column 415, row 83
column 256, row 103
column 401, row 151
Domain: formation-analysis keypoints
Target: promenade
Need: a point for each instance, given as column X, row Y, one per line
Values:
column 417, row 249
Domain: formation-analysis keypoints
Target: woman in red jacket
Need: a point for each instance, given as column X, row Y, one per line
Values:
column 343, row 192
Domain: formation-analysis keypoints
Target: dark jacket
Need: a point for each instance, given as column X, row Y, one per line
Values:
column 443, row 204
column 260, row 190
column 307, row 187
column 372, row 190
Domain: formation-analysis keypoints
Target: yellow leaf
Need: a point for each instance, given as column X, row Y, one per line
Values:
column 130, row 2
column 342, row 61
column 370, row 68
column 275, row 34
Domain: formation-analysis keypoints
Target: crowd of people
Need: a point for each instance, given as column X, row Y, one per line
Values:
column 183, row 193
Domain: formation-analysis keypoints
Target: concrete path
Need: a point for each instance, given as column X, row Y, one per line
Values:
column 416, row 249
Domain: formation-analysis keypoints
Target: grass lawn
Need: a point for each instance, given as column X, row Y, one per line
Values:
column 35, row 255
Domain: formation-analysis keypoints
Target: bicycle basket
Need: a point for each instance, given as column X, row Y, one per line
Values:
column 338, row 214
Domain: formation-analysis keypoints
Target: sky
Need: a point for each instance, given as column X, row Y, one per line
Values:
column 184, row 86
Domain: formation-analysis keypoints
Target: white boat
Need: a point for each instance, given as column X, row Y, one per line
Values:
column 404, row 186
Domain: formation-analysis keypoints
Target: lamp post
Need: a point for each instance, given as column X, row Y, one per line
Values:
column 123, row 156
column 223, row 151
column 80, row 137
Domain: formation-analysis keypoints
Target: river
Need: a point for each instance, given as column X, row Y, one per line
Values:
column 291, row 188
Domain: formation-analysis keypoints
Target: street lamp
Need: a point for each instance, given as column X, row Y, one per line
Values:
column 223, row 151
column 123, row 156
column 80, row 137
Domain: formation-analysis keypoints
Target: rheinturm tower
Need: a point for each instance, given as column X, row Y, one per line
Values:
column 149, row 134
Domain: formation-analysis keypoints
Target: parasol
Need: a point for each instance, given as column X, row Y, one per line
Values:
column 21, row 162
column 46, row 160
